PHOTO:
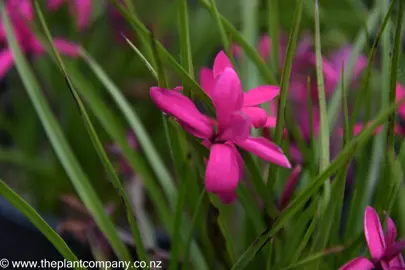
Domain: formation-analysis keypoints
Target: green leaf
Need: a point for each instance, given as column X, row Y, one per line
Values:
column 141, row 252
column 273, row 29
column 38, row 221
column 324, row 125
column 60, row 145
column 154, row 160
column 346, row 154
column 249, row 50
column 394, row 74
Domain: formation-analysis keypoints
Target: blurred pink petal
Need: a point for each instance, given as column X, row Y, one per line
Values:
column 66, row 47
column 271, row 122
column 238, row 128
column 227, row 198
column 393, row 255
column 207, row 80
column 360, row 263
column 221, row 62
column 400, row 93
column 227, row 96
column 55, row 4
column 266, row 150
column 391, row 233
column 260, row 94
column 257, row 115
column 82, row 10
column 236, row 50
column 295, row 154
column 222, row 173
column 184, row 110
column 289, row 187
column 374, row 233
column 6, row 62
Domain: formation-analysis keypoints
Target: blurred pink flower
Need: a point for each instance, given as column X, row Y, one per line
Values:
column 115, row 149
column 20, row 11
column 251, row 99
column 289, row 188
column 385, row 252
column 400, row 93
column 81, row 9
column 232, row 128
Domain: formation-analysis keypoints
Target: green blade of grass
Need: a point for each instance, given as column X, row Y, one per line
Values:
column 273, row 29
column 224, row 37
column 140, row 248
column 248, row 49
column 365, row 85
column 394, row 73
column 60, row 145
column 285, row 78
column 299, row 201
column 186, row 59
column 38, row 221
column 142, row 31
column 324, row 125
column 143, row 58
column 333, row 108
column 136, row 125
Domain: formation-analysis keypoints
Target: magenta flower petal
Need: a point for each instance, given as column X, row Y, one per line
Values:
column 55, row 4
column 227, row 198
column 257, row 115
column 394, row 252
column 183, row 109
column 391, row 233
column 264, row 47
column 227, row 96
column 221, row 62
column 82, row 11
column 207, row 80
column 289, row 187
column 266, row 150
column 222, row 173
column 260, row 94
column 6, row 62
column 67, row 48
column 238, row 128
column 271, row 122
column 399, row 94
column 359, row 263
column 374, row 233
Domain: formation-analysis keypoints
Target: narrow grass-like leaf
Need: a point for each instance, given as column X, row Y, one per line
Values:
column 165, row 55
column 273, row 29
column 185, row 45
column 314, row 257
column 76, row 174
column 324, row 125
column 224, row 36
column 141, row 252
column 143, row 58
column 189, row 235
column 259, row 185
column 365, row 86
column 394, row 73
column 346, row 154
column 136, row 125
column 358, row 45
column 285, row 78
column 249, row 50
column 38, row 221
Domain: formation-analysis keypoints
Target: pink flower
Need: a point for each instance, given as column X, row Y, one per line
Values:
column 79, row 8
column 289, row 187
column 115, row 149
column 400, row 93
column 232, row 128
column 251, row 99
column 385, row 252
column 20, row 11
